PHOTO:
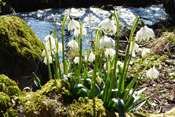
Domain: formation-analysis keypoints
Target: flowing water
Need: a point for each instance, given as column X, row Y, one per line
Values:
column 44, row 21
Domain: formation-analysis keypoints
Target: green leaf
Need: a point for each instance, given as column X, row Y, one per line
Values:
column 120, row 106
column 140, row 101
column 137, row 107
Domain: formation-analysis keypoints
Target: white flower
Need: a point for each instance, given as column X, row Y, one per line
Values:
column 91, row 57
column 52, row 44
column 77, row 31
column 135, row 48
column 105, row 42
column 45, row 60
column 59, row 47
column 73, row 44
column 108, row 25
column 145, row 52
column 119, row 63
column 152, row 73
column 98, row 79
column 76, row 60
column 144, row 34
column 110, row 52
column 73, row 24
column 51, row 38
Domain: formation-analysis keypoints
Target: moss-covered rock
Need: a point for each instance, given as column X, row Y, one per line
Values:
column 4, row 102
column 9, row 86
column 86, row 107
column 20, row 50
column 48, row 101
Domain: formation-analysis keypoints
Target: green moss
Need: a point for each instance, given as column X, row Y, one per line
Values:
column 4, row 103
column 48, row 100
column 18, row 44
column 85, row 107
column 38, row 103
column 9, row 86
column 55, row 87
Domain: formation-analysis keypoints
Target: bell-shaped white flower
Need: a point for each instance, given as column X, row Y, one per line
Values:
column 73, row 24
column 76, row 60
column 45, row 60
column 77, row 32
column 145, row 52
column 47, row 38
column 108, row 25
column 152, row 73
column 91, row 57
column 50, row 44
column 135, row 48
column 59, row 47
column 105, row 42
column 73, row 44
column 110, row 52
column 144, row 34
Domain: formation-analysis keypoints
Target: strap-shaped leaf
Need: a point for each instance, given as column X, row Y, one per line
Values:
column 120, row 106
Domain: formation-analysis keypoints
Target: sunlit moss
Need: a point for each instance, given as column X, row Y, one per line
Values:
column 85, row 107
column 9, row 86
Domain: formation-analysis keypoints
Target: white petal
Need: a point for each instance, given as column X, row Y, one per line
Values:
column 76, row 60
column 91, row 57
column 105, row 42
column 110, row 52
column 73, row 24
column 145, row 52
column 144, row 34
column 77, row 31
column 73, row 44
column 152, row 73
column 107, row 25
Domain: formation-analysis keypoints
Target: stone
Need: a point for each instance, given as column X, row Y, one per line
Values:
column 20, row 52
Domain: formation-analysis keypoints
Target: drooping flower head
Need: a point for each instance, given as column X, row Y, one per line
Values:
column 73, row 44
column 91, row 57
column 108, row 25
column 110, row 52
column 73, row 24
column 76, row 60
column 135, row 48
column 105, row 42
column 145, row 52
column 77, row 31
column 152, row 73
column 144, row 33
column 49, row 44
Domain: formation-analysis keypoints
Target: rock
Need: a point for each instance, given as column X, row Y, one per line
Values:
column 49, row 101
column 20, row 52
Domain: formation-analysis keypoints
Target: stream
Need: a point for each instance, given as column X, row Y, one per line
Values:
column 44, row 21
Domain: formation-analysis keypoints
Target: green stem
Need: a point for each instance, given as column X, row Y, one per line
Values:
column 112, row 84
column 80, row 52
column 127, row 55
column 93, row 80
column 48, row 64
column 64, row 22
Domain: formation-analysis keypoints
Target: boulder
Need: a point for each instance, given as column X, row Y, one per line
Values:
column 20, row 52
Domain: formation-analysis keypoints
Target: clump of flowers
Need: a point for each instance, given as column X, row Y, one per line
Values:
column 100, row 73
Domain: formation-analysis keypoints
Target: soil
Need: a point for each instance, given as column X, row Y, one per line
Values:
column 165, row 101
